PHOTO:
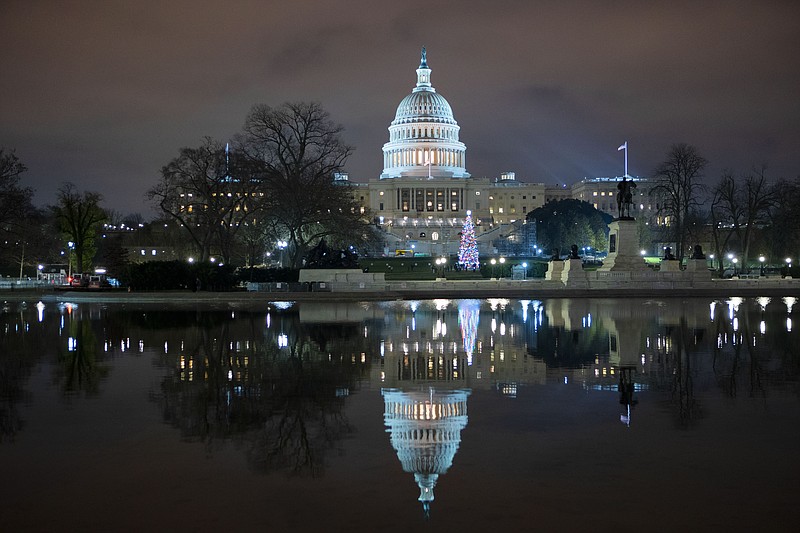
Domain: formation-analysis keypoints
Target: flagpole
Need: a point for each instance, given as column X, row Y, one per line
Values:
column 626, row 159
column 625, row 147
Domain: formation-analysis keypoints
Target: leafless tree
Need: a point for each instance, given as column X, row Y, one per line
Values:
column 300, row 149
column 677, row 191
column 210, row 193
column 720, row 213
column 784, row 234
column 740, row 208
column 15, row 200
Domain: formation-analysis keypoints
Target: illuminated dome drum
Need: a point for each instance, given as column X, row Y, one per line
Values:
column 423, row 137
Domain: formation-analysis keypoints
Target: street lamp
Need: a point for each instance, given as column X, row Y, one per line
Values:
column 282, row 246
column 70, row 245
column 735, row 260
column 502, row 262
column 494, row 262
column 440, row 262
column 761, row 260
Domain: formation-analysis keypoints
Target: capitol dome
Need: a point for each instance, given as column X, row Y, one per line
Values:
column 423, row 137
column 424, row 106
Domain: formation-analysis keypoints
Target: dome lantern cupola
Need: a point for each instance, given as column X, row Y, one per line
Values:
column 424, row 74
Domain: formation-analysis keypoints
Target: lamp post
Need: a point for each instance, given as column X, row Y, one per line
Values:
column 761, row 260
column 70, row 245
column 440, row 262
column 502, row 262
column 282, row 246
column 494, row 262
column 735, row 261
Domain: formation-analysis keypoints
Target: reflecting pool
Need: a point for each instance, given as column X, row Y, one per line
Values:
column 450, row 415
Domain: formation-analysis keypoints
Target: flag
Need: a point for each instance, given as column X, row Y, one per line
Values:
column 623, row 147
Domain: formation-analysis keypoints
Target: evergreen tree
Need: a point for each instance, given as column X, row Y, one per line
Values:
column 468, row 249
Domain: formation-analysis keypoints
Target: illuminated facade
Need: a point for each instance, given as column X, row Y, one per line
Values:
column 602, row 194
column 424, row 192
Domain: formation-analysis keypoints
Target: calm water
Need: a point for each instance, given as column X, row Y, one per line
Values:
column 444, row 415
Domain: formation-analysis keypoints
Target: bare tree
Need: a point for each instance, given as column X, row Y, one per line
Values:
column 784, row 232
column 15, row 201
column 210, row 193
column 740, row 208
column 677, row 190
column 79, row 216
column 301, row 149
column 721, row 210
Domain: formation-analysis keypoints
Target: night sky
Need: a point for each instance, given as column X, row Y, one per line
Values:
column 103, row 94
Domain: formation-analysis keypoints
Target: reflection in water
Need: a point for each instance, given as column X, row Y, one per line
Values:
column 425, row 428
column 277, row 380
column 79, row 369
column 279, row 393
column 468, row 319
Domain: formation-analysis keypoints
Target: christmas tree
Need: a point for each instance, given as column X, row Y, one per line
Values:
column 468, row 249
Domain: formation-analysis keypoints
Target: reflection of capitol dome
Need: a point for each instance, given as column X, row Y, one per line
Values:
column 424, row 132
column 425, row 429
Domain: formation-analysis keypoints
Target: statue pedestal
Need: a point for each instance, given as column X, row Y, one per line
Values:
column 670, row 265
column 554, row 269
column 623, row 248
column 573, row 274
column 698, row 268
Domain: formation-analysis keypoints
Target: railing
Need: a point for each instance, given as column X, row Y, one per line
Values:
column 19, row 284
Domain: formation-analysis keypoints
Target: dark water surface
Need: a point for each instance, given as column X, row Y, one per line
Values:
column 444, row 415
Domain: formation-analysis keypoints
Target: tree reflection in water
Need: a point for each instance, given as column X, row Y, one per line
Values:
column 16, row 365
column 278, row 394
column 78, row 370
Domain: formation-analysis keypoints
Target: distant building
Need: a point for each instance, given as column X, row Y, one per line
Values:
column 602, row 194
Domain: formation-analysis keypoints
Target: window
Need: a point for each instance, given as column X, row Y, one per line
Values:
column 380, row 206
column 435, row 236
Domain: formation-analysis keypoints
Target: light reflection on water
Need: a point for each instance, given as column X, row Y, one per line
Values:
column 289, row 388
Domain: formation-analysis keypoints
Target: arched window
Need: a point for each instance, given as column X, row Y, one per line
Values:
column 434, row 235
